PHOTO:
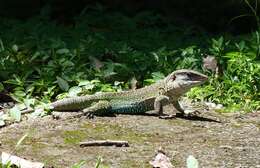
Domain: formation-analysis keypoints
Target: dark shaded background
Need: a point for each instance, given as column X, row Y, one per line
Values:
column 214, row 16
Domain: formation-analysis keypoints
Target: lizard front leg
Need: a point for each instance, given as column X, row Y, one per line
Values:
column 182, row 112
column 159, row 102
column 178, row 107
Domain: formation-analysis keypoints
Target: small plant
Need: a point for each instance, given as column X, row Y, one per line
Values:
column 79, row 165
column 99, row 160
column 238, row 87
column 9, row 164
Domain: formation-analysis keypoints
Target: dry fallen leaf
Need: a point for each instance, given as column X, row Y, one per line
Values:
column 210, row 63
column 133, row 83
column 20, row 162
column 161, row 161
column 96, row 63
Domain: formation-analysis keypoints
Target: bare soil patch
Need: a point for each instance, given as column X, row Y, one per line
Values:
column 234, row 142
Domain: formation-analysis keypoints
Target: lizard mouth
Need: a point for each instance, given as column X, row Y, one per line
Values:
column 199, row 78
column 196, row 83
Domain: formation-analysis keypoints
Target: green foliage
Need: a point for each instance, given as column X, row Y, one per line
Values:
column 8, row 165
column 41, row 60
column 238, row 86
column 98, row 162
column 52, row 59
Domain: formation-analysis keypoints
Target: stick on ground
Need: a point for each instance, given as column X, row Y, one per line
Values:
column 104, row 143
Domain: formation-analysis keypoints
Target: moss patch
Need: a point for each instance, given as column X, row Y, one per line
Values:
column 74, row 136
column 112, row 131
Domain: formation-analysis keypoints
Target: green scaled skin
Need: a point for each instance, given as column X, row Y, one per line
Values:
column 151, row 98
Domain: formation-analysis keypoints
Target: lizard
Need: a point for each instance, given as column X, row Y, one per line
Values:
column 151, row 98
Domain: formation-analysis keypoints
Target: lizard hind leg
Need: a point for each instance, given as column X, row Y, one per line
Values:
column 102, row 107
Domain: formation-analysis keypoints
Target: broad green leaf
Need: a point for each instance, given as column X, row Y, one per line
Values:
column 192, row 162
column 30, row 88
column 15, row 48
column 232, row 55
column 157, row 75
column 15, row 113
column 95, row 81
column 107, row 88
column 16, row 81
column 109, row 72
column 63, row 51
column 62, row 96
column 74, row 91
column 62, row 83
column 84, row 82
column 67, row 63
column 149, row 81
column 21, row 106
column 87, row 84
column 29, row 102
column 35, row 55
column 20, row 93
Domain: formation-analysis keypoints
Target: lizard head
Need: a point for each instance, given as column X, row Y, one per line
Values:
column 180, row 81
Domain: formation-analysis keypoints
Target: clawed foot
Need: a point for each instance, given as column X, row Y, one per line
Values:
column 165, row 117
column 191, row 113
column 56, row 116
column 86, row 114
column 89, row 115
column 83, row 114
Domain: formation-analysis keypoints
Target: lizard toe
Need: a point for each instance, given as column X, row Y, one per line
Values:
column 191, row 113
column 89, row 115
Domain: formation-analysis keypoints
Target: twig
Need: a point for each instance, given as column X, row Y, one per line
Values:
column 104, row 143
column 26, row 111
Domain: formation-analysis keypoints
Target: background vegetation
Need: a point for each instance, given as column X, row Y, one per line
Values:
column 46, row 54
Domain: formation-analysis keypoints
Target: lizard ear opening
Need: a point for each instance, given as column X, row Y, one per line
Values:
column 173, row 78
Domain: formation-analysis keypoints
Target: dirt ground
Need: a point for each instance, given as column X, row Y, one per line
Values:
column 215, row 140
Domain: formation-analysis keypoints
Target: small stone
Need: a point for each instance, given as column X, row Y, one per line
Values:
column 212, row 105
column 161, row 161
column 219, row 106
column 226, row 147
